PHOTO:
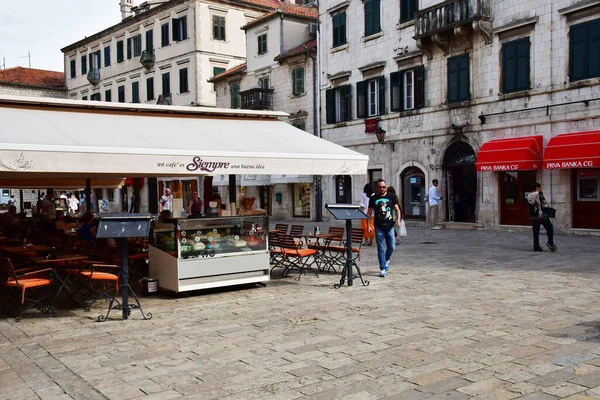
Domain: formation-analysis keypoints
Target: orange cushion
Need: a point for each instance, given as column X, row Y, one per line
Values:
column 104, row 276
column 299, row 252
column 29, row 282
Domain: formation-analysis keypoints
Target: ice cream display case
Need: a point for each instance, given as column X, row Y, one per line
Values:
column 202, row 253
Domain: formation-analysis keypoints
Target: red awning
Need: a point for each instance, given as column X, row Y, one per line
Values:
column 573, row 150
column 511, row 154
column 131, row 181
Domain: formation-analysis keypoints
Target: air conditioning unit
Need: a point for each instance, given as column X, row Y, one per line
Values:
column 313, row 28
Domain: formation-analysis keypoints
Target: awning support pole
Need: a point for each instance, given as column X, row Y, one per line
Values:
column 232, row 189
column 153, row 195
column 136, row 192
column 21, row 200
column 88, row 194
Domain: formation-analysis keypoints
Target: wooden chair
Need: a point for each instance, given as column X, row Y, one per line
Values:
column 275, row 251
column 28, row 281
column 295, row 256
column 338, row 252
column 282, row 228
column 296, row 231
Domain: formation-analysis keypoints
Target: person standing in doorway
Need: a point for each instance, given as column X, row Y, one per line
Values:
column 383, row 205
column 434, row 200
column 537, row 202
column 132, row 205
column 195, row 205
column 166, row 201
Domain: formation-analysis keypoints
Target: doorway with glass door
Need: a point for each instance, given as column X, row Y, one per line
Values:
column 514, row 188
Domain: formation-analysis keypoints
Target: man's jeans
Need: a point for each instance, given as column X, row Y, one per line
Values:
column 385, row 245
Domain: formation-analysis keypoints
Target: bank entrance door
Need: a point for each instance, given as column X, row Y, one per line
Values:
column 514, row 187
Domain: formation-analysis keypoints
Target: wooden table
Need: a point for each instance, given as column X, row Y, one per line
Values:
column 321, row 257
column 37, row 248
column 69, row 260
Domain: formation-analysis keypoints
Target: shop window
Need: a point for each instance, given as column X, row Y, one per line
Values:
column 302, row 200
column 343, row 189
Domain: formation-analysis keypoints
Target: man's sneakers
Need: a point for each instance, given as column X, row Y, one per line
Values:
column 552, row 247
column 382, row 273
column 387, row 266
column 436, row 228
column 538, row 249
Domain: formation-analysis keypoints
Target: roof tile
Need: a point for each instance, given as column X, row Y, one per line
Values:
column 231, row 71
column 33, row 77
column 308, row 46
column 294, row 10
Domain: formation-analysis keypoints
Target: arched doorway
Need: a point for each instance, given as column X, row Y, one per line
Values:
column 460, row 186
column 413, row 193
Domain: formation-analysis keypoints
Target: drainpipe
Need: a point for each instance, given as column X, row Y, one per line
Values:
column 280, row 31
column 316, row 132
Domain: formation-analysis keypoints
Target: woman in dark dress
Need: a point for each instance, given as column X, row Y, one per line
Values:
column 195, row 205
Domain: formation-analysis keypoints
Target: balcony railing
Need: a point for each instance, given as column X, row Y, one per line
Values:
column 453, row 16
column 257, row 99
column 147, row 59
column 93, row 76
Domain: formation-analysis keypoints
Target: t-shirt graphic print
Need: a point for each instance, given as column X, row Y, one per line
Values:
column 383, row 209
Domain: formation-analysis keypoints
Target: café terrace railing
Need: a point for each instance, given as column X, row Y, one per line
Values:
column 458, row 17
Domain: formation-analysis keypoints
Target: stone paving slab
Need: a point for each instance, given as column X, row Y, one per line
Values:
column 461, row 315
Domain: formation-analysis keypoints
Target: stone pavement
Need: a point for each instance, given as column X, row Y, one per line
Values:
column 461, row 315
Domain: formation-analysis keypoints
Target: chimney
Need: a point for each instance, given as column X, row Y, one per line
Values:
column 126, row 6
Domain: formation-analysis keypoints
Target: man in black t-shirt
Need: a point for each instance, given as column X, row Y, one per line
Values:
column 382, row 204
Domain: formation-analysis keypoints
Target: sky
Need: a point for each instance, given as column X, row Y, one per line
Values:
column 43, row 27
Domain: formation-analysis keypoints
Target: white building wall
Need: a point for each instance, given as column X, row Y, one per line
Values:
column 29, row 91
column 421, row 136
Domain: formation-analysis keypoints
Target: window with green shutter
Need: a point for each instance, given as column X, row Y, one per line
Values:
column 150, row 88
column 339, row 29
column 234, row 92
column 262, row 43
column 121, row 94
column 217, row 71
column 183, row 80
column 408, row 9
column 108, row 95
column 137, row 45
column 298, row 81
column 166, row 84
column 97, row 59
column 372, row 17
column 515, row 65
column 107, row 56
column 164, row 35
column 180, row 29
column 218, row 27
column 73, row 69
column 135, row 92
column 407, row 89
column 338, row 104
column 149, row 40
column 83, row 65
column 120, row 55
column 584, row 51
column 459, row 85
column 95, row 97
column 129, row 48
column 370, row 97
column 299, row 124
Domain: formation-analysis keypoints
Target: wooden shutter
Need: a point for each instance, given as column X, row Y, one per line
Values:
column 404, row 10
column 108, row 95
column 368, row 18
column 509, row 61
column 578, row 57
column 335, row 22
column 594, row 49
column 91, row 60
column 522, row 64
column 176, row 30
column 73, row 69
column 464, row 78
column 348, row 95
column 361, row 99
column 395, row 91
column 99, row 59
column 150, row 88
column 135, row 92
column 128, row 48
column 183, row 21
column 420, row 87
column 164, row 35
column 166, row 84
column 119, row 51
column 83, row 65
column 149, row 40
column 453, row 66
column 183, row 80
column 330, row 106
column 381, row 100
column 376, row 10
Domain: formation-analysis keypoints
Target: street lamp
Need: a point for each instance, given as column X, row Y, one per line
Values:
column 380, row 133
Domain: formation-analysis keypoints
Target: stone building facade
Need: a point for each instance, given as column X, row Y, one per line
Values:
column 31, row 82
column 278, row 75
column 441, row 80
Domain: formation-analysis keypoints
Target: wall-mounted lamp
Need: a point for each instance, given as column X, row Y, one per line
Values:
column 380, row 133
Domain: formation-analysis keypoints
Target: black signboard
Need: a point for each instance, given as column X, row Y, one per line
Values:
column 130, row 226
column 346, row 211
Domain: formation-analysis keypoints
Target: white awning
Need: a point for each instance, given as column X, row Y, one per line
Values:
column 53, row 137
column 291, row 179
column 256, row 180
column 61, row 183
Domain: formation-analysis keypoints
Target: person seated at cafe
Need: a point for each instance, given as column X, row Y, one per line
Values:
column 60, row 224
column 45, row 224
column 195, row 205
column 87, row 232
column 8, row 218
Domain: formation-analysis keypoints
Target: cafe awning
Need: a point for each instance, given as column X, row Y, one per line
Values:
column 511, row 154
column 54, row 137
column 291, row 179
column 573, row 150
column 255, row 180
column 60, row 183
